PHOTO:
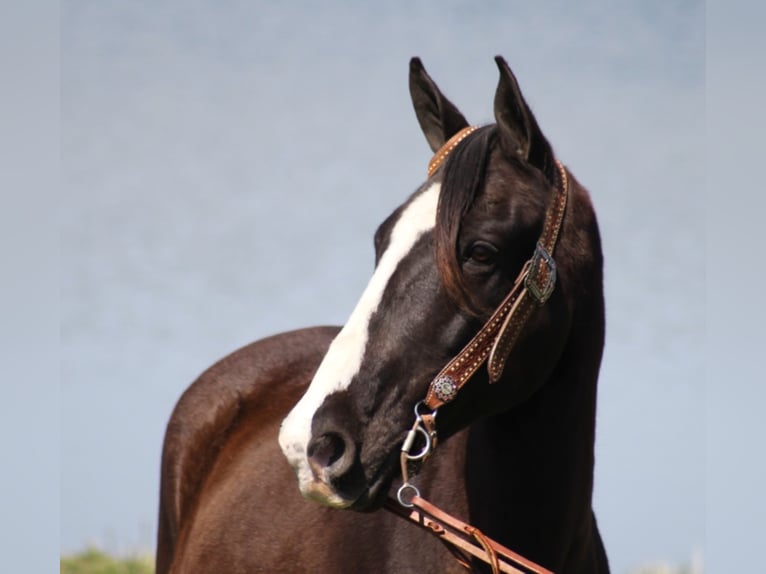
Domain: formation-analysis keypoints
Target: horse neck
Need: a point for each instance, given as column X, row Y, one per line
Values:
column 529, row 471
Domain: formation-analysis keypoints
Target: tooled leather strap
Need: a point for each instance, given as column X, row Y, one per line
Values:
column 449, row 145
column 495, row 340
column 461, row 368
column 469, row 540
column 539, row 281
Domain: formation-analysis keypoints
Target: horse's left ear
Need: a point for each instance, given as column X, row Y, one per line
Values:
column 520, row 136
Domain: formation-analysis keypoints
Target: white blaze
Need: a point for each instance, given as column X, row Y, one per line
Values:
column 344, row 357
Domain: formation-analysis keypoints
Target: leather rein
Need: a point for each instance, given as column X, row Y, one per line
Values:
column 492, row 344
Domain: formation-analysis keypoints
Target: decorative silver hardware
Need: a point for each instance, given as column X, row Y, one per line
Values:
column 541, row 293
column 445, row 388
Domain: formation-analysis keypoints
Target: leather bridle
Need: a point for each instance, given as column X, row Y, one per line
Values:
column 492, row 344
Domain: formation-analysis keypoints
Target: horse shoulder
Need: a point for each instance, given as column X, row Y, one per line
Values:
column 257, row 378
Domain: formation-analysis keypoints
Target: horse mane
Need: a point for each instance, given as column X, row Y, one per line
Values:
column 465, row 173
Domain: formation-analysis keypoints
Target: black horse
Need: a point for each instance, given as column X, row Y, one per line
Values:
column 515, row 454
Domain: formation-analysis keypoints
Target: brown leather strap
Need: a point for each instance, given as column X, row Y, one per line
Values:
column 495, row 340
column 461, row 368
column 469, row 540
column 539, row 280
column 439, row 157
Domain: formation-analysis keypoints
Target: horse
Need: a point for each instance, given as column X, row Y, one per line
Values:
column 498, row 224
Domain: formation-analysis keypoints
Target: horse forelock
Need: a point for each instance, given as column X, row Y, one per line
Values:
column 465, row 172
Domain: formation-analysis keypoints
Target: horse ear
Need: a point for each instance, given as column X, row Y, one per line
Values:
column 520, row 136
column 438, row 117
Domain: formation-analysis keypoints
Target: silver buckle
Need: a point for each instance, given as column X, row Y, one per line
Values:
column 541, row 293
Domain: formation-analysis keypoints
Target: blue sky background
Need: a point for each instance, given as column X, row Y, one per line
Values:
column 205, row 145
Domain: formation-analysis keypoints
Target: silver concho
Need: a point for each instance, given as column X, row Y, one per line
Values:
column 445, row 388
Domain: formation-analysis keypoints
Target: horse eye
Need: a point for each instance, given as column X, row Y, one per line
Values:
column 482, row 253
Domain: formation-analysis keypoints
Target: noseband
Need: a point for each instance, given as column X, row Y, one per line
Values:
column 492, row 344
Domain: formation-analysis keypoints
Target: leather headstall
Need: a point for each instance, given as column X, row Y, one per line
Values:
column 532, row 288
column 492, row 344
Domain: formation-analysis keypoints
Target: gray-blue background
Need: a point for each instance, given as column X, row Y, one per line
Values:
column 225, row 165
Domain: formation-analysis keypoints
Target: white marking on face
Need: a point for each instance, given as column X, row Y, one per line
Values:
column 344, row 357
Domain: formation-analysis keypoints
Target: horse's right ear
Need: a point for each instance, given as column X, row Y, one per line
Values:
column 520, row 136
column 438, row 117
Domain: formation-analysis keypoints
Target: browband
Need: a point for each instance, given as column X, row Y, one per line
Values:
column 449, row 145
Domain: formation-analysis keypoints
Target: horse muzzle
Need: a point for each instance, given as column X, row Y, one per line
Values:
column 327, row 469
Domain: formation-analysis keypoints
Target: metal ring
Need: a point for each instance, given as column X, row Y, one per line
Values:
column 417, row 413
column 403, row 488
column 426, row 449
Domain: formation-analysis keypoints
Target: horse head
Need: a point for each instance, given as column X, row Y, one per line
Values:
column 445, row 260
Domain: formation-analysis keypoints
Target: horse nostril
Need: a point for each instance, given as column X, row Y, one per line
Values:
column 329, row 454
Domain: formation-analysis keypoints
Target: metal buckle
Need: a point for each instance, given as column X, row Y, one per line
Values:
column 415, row 460
column 409, row 440
column 541, row 293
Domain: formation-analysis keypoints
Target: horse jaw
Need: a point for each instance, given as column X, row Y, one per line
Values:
column 344, row 356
